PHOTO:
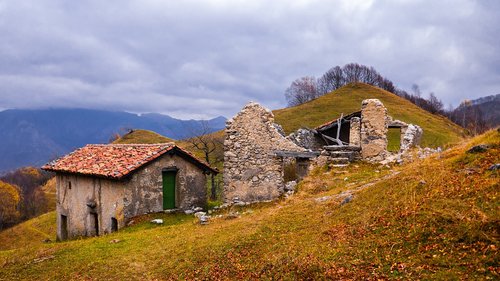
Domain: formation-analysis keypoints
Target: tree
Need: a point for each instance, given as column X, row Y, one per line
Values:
column 331, row 80
column 29, row 180
column 435, row 104
column 301, row 90
column 9, row 204
column 211, row 146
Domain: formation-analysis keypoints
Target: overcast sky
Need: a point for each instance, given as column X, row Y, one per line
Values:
column 202, row 59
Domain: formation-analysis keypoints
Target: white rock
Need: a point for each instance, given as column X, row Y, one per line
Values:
column 157, row 221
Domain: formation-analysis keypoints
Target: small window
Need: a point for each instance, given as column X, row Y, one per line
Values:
column 69, row 184
column 114, row 224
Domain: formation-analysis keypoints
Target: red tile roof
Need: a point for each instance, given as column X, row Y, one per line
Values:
column 115, row 160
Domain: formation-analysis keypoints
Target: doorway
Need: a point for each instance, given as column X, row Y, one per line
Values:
column 64, row 227
column 114, row 224
column 168, row 178
column 95, row 218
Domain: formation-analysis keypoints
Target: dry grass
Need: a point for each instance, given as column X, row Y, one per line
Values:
column 437, row 219
column 438, row 130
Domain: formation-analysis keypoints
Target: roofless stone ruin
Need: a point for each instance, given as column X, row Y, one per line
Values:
column 256, row 150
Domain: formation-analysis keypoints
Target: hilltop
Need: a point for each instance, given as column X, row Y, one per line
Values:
column 405, row 222
column 142, row 136
column 438, row 130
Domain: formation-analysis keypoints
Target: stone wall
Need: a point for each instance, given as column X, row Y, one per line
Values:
column 355, row 132
column 411, row 137
column 307, row 139
column 374, row 124
column 252, row 172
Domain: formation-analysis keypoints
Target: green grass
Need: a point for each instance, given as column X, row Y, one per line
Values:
column 438, row 130
column 434, row 220
column 142, row 136
column 29, row 233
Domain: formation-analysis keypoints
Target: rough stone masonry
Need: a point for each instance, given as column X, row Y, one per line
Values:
column 252, row 171
column 374, row 123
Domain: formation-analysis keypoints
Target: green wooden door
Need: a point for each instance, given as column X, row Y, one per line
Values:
column 168, row 190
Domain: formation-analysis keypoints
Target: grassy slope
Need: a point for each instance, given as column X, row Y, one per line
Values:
column 142, row 136
column 29, row 233
column 438, row 131
column 438, row 219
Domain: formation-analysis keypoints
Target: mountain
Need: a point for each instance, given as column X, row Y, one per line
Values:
column 438, row 130
column 433, row 219
column 490, row 107
column 33, row 137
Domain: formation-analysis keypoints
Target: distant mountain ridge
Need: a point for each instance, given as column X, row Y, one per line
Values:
column 33, row 137
column 482, row 100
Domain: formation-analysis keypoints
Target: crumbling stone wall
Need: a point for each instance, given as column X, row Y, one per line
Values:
column 374, row 124
column 252, row 172
column 355, row 132
column 411, row 137
column 307, row 139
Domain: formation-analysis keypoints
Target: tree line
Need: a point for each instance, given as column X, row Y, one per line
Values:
column 307, row 88
column 21, row 195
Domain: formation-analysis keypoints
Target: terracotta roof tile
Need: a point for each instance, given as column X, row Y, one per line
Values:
column 113, row 160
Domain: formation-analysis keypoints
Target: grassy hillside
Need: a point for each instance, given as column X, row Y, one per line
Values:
column 29, row 233
column 142, row 136
column 438, row 131
column 432, row 219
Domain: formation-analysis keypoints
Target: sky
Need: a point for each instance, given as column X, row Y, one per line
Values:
column 203, row 59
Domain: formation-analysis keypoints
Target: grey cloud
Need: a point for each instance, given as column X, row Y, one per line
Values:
column 198, row 59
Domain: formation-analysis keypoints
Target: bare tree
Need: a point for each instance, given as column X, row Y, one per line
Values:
column 301, row 90
column 331, row 80
column 211, row 145
column 435, row 104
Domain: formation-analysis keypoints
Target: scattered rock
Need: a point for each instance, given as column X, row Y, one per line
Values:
column 197, row 209
column 346, row 200
column 322, row 199
column 290, row 186
column 232, row 215
column 494, row 167
column 422, row 182
column 171, row 211
column 47, row 240
column 131, row 222
column 188, row 212
column 41, row 259
column 114, row 241
column 199, row 214
column 478, row 148
column 204, row 219
column 157, row 221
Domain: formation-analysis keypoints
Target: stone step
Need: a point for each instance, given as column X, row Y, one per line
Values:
column 341, row 154
column 339, row 165
column 342, row 148
column 340, row 160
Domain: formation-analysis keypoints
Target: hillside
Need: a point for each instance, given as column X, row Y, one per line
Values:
column 438, row 131
column 142, row 136
column 407, row 222
column 33, row 137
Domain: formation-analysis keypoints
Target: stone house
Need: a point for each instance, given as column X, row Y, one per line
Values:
column 101, row 187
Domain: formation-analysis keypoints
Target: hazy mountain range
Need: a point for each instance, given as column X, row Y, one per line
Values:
column 490, row 107
column 33, row 137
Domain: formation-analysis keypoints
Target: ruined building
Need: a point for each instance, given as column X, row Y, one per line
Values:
column 256, row 150
column 100, row 187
